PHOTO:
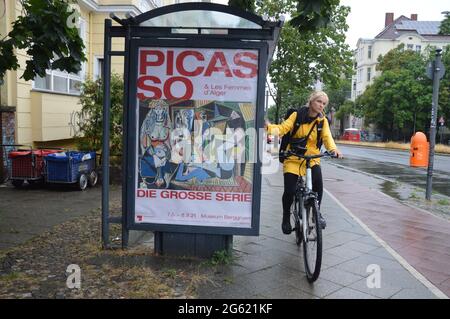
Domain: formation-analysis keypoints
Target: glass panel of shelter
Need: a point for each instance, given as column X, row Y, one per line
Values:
column 200, row 19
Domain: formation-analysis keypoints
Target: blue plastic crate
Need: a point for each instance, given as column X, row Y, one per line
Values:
column 67, row 167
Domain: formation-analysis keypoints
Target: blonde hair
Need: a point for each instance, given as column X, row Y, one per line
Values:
column 315, row 95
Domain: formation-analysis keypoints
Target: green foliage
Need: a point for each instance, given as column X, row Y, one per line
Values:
column 345, row 109
column 399, row 100
column 304, row 57
column 444, row 28
column 222, row 257
column 444, row 87
column 91, row 118
column 247, row 5
column 45, row 30
column 271, row 114
column 338, row 93
column 312, row 15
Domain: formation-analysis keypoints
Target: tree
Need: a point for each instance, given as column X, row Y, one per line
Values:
column 444, row 28
column 47, row 31
column 444, row 86
column 345, row 109
column 303, row 57
column 338, row 95
column 314, row 14
column 247, row 5
column 399, row 99
column 91, row 119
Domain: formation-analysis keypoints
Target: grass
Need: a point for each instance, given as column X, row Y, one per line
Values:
column 222, row 257
column 413, row 196
column 439, row 148
column 11, row 276
column 443, row 202
column 170, row 273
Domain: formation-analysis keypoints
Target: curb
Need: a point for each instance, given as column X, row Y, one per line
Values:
column 385, row 148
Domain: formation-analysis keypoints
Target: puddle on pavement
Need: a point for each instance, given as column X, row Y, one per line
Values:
column 413, row 176
column 390, row 188
column 409, row 184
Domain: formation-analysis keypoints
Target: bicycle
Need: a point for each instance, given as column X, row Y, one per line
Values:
column 306, row 208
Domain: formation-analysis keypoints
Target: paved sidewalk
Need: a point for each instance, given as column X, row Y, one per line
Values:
column 421, row 238
column 271, row 265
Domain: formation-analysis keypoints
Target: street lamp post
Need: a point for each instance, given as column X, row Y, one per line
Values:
column 436, row 72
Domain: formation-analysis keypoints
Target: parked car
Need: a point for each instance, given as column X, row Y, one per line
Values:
column 351, row 134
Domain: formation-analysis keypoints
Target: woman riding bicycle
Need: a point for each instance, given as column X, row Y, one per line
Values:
column 310, row 117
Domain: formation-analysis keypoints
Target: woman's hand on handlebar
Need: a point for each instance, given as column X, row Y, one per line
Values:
column 337, row 153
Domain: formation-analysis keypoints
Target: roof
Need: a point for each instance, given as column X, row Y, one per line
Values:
column 421, row 27
column 403, row 25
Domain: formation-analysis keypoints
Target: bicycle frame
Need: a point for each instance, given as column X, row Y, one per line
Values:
column 308, row 224
column 306, row 194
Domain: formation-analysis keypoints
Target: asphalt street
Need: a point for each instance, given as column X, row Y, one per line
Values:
column 441, row 162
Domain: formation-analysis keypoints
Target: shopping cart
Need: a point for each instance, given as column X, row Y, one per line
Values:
column 72, row 167
column 26, row 164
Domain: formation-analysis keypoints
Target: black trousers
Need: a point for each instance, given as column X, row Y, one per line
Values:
column 289, row 186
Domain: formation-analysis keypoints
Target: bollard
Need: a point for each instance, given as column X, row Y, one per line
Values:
column 419, row 150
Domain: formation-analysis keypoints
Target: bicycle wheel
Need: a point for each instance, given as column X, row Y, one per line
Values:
column 295, row 212
column 312, row 242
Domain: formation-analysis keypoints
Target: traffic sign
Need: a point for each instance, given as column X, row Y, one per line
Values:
column 430, row 69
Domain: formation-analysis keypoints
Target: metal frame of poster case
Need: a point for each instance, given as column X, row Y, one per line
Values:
column 132, row 137
column 131, row 31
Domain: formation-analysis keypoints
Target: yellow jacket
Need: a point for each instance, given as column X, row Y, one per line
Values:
column 292, row 163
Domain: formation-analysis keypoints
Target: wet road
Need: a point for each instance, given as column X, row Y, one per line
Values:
column 395, row 166
column 441, row 163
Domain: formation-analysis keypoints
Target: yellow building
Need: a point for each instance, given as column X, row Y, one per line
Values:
column 43, row 111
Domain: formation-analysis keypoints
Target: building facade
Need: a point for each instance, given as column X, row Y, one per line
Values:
column 43, row 111
column 415, row 35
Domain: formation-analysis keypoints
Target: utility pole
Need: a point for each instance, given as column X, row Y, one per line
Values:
column 435, row 72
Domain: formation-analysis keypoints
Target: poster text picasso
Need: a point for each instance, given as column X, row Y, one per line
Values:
column 195, row 109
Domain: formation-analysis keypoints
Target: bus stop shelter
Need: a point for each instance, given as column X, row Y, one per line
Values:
column 194, row 77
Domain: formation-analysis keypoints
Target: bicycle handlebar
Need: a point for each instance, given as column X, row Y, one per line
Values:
column 294, row 152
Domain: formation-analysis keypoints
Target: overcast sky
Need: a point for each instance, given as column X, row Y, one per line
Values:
column 366, row 18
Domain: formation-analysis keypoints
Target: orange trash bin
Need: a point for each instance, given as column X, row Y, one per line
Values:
column 419, row 150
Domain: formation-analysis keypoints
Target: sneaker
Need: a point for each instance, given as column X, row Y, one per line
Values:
column 322, row 221
column 286, row 225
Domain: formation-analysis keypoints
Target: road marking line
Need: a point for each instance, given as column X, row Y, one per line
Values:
column 438, row 293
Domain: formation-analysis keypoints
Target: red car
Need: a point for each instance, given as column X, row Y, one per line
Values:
column 351, row 134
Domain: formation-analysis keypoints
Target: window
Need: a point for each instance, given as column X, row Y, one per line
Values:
column 418, row 48
column 359, row 75
column 98, row 68
column 369, row 52
column 369, row 71
column 410, row 46
column 61, row 81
